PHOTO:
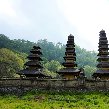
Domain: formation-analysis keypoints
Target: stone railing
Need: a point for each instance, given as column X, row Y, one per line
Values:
column 17, row 84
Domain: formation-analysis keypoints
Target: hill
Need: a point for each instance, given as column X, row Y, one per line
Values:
column 52, row 53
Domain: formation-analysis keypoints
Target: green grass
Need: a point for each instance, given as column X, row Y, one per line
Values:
column 56, row 100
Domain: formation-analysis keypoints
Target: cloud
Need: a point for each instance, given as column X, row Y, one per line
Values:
column 34, row 20
column 55, row 20
column 6, row 8
column 88, row 17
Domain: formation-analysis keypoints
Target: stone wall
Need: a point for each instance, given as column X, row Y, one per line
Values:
column 19, row 85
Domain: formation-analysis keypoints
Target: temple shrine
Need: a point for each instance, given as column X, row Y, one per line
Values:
column 33, row 66
column 70, row 70
column 103, row 58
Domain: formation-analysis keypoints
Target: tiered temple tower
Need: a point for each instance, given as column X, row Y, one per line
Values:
column 103, row 58
column 70, row 71
column 33, row 66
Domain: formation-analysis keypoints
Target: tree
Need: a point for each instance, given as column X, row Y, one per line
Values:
column 85, row 57
column 4, row 41
column 10, row 63
column 89, row 71
column 51, row 51
column 53, row 66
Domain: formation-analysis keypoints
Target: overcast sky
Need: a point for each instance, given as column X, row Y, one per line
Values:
column 54, row 20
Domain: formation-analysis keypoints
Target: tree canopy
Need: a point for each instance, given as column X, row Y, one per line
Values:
column 10, row 63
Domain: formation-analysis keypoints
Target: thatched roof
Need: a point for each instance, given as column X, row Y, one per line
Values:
column 103, row 57
column 69, row 63
column 68, row 70
column 33, row 63
column 102, row 71
column 36, row 51
column 36, row 56
column 103, row 65
column 31, row 72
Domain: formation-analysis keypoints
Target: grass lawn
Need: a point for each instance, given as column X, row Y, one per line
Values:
column 56, row 100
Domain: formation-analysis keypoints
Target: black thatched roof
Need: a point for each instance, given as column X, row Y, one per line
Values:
column 103, row 65
column 102, row 71
column 70, row 52
column 103, row 54
column 104, row 41
column 33, row 63
column 36, row 47
column 101, row 48
column 70, row 36
column 69, row 63
column 35, row 56
column 70, row 43
column 32, row 72
column 70, row 48
column 70, row 56
column 36, row 51
column 69, row 70
column 102, row 33
column 103, row 57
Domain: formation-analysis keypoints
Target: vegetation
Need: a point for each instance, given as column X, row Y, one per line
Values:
column 10, row 62
column 52, row 55
column 56, row 100
column 13, row 55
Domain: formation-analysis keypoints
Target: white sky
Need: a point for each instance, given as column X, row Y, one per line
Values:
column 88, row 17
column 55, row 20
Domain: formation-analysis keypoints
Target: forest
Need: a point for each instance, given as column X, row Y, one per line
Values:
column 13, row 55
